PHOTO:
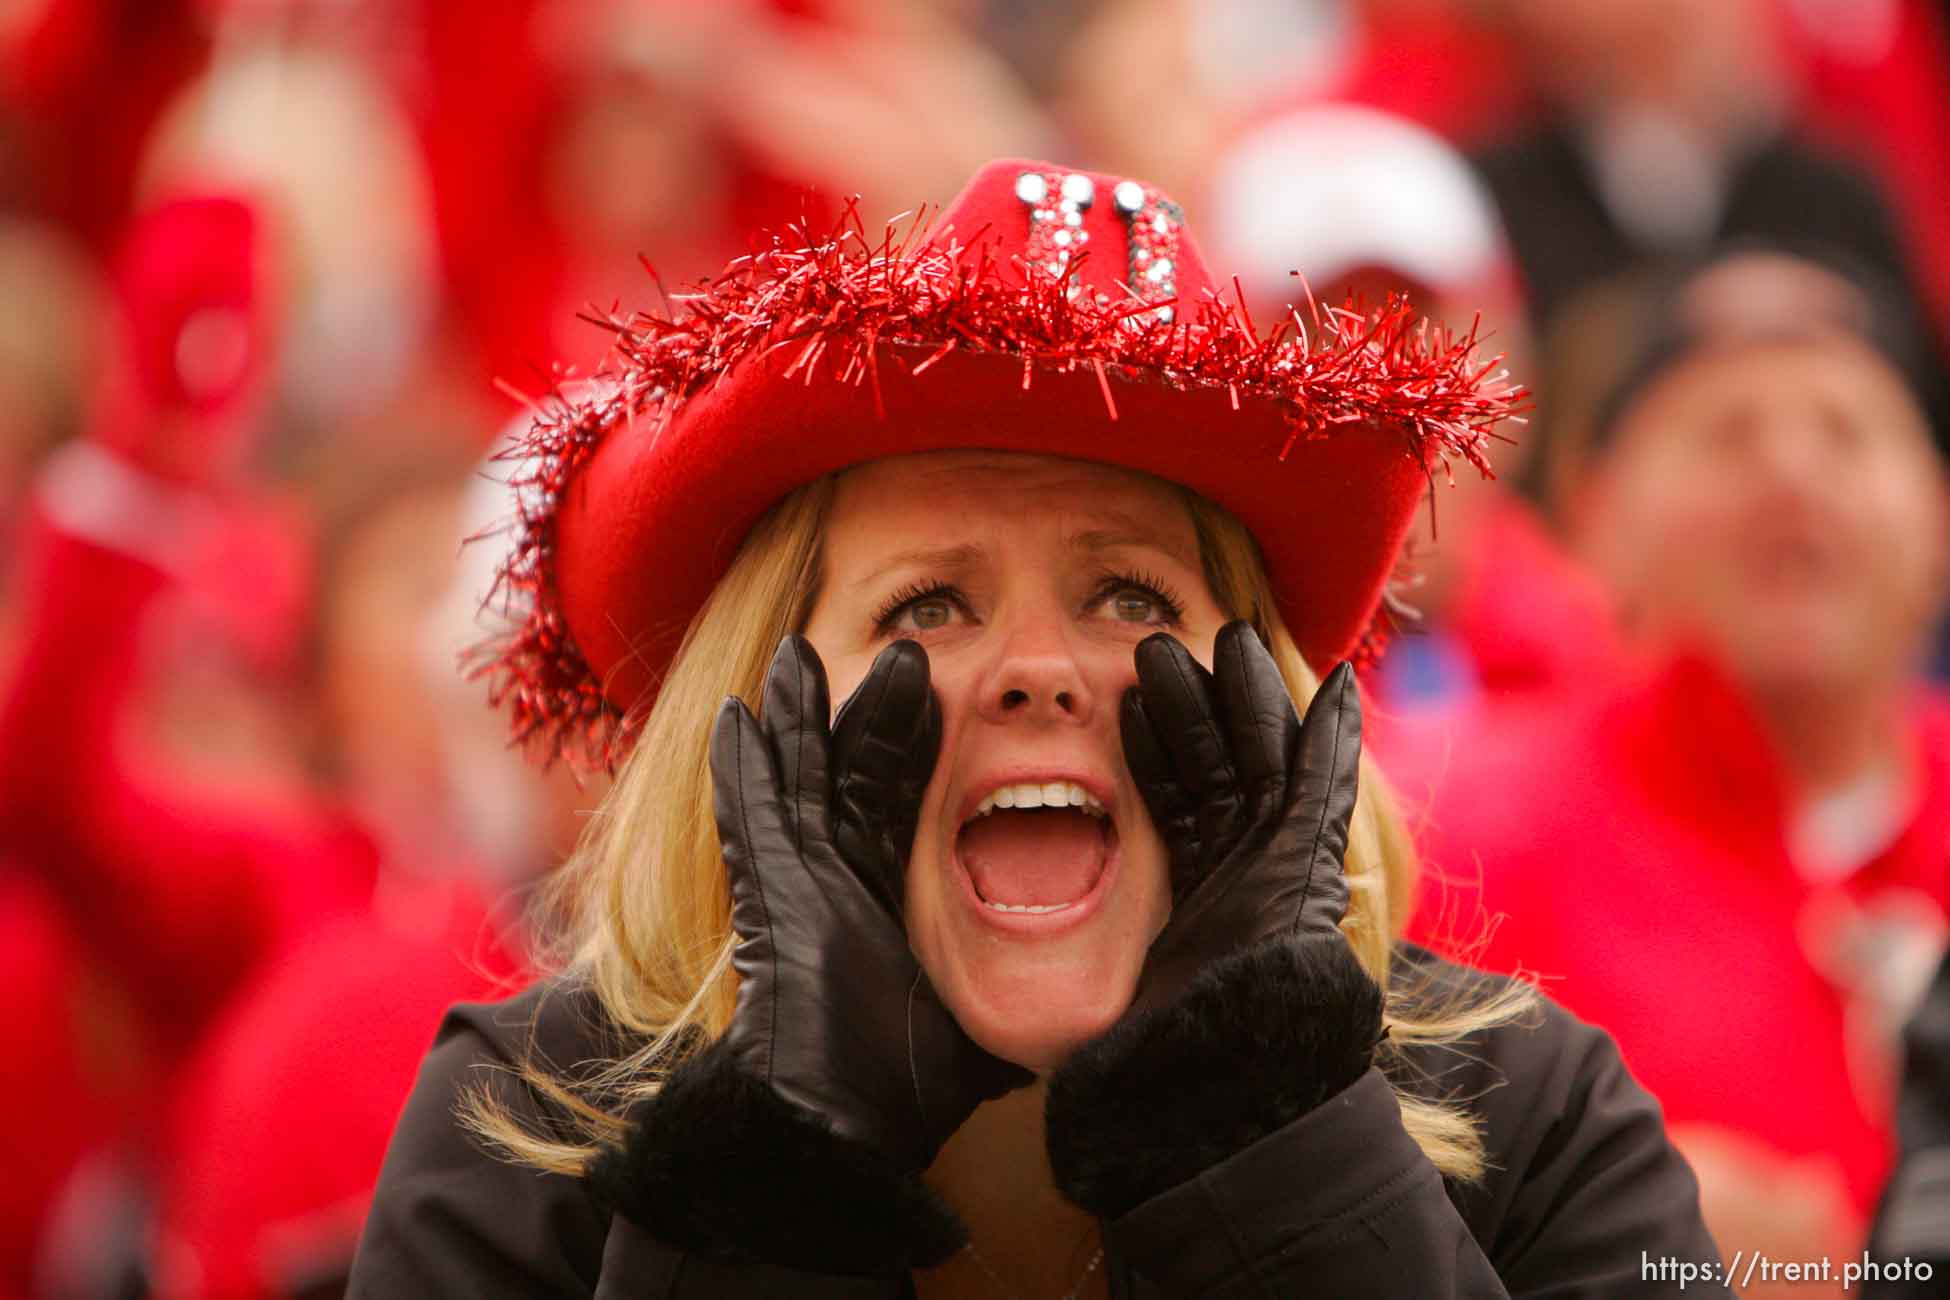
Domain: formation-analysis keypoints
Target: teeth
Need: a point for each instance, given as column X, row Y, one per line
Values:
column 1050, row 794
column 1036, row 908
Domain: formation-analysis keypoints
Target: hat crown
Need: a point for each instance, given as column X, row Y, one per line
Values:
column 1118, row 240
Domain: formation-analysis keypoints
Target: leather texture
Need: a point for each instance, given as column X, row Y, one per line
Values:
column 1253, row 804
column 833, row 1011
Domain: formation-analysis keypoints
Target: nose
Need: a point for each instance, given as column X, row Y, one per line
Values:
column 1035, row 676
column 1793, row 451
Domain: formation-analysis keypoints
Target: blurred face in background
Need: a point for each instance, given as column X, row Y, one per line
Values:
column 1778, row 501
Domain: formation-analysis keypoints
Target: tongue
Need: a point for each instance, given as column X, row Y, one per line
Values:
column 1040, row 857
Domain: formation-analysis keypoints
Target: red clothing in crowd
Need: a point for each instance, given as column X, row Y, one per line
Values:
column 1525, row 618
column 65, row 1073
column 1529, row 617
column 182, row 893
column 284, row 1120
column 82, row 84
column 1636, row 843
column 165, row 900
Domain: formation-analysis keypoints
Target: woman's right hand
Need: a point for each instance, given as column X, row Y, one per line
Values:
column 834, row 1013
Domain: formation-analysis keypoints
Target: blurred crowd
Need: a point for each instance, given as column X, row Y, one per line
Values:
column 280, row 275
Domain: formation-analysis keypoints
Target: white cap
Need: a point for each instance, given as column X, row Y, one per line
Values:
column 1334, row 188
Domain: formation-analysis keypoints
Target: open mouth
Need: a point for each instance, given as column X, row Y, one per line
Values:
column 1034, row 848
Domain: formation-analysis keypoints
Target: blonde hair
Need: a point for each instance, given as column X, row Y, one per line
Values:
column 641, row 914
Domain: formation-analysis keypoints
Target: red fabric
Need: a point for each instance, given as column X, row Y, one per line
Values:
column 485, row 154
column 1527, row 620
column 180, row 894
column 647, row 526
column 84, row 82
column 192, row 343
column 284, row 1120
column 1635, row 846
column 514, row 280
column 1436, row 67
column 1530, row 617
column 153, row 904
column 65, row 1072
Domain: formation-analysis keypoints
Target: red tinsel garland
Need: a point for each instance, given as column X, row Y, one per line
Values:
column 835, row 300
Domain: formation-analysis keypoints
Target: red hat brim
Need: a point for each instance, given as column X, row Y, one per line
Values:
column 654, row 519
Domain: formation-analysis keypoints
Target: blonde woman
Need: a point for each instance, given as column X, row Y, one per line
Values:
column 1059, row 959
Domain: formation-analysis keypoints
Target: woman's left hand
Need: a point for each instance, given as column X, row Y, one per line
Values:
column 1252, row 803
column 1252, row 1009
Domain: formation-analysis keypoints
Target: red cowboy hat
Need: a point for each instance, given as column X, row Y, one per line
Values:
column 1045, row 311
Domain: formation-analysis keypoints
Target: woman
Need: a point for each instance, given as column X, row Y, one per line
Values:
column 1058, row 960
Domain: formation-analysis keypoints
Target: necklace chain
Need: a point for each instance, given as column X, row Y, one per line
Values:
column 981, row 1262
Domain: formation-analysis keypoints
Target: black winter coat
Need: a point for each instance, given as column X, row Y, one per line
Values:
column 1913, row 1224
column 1585, row 1197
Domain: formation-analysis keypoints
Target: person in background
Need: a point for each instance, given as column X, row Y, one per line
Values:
column 168, row 894
column 1354, row 205
column 253, row 1207
column 1668, row 128
column 1758, row 487
column 622, row 127
column 58, row 1019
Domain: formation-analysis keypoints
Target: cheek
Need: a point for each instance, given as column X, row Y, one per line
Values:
column 1903, row 528
column 1676, row 539
column 845, row 668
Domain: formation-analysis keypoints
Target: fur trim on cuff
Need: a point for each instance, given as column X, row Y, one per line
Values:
column 720, row 1165
column 1257, row 1040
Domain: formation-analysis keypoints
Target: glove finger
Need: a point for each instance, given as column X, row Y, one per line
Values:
column 1173, row 810
column 885, row 744
column 878, row 738
column 1330, row 765
column 750, row 813
column 1262, row 729
column 794, row 711
column 1180, row 703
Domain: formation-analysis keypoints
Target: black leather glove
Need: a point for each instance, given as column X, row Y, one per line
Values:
column 1252, row 1009
column 1253, row 805
column 834, row 1012
column 796, row 1138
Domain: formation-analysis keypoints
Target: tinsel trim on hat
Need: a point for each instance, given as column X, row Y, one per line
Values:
column 836, row 299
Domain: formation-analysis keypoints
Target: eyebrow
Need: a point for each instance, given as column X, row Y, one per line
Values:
column 1122, row 530
column 924, row 557
column 1127, row 531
